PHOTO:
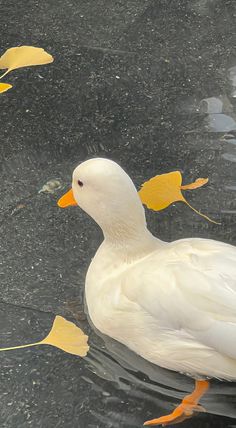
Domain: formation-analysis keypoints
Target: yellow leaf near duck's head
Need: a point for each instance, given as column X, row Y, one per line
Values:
column 68, row 337
column 161, row 191
column 4, row 87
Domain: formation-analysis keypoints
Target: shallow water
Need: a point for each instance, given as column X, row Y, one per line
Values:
column 151, row 85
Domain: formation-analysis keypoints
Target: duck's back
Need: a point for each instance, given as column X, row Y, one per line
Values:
column 175, row 306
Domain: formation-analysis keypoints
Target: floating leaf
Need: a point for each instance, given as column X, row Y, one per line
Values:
column 64, row 335
column 23, row 56
column 4, row 87
column 163, row 190
column 68, row 337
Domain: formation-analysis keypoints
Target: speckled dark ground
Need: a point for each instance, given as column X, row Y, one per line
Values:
column 152, row 85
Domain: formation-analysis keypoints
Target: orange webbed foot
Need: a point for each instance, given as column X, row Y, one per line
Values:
column 188, row 407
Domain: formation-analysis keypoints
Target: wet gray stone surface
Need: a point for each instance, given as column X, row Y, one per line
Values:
column 150, row 84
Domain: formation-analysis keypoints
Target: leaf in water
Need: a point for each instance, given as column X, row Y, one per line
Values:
column 64, row 335
column 51, row 186
column 4, row 87
column 68, row 337
column 23, row 56
column 163, row 190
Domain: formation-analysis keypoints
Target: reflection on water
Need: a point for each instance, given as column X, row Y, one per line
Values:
column 221, row 123
column 232, row 78
column 219, row 114
column 146, row 382
column 216, row 125
column 211, row 105
column 229, row 156
column 225, row 126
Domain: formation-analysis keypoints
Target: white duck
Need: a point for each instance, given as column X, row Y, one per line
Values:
column 172, row 303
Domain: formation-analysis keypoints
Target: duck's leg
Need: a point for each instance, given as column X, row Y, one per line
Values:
column 186, row 409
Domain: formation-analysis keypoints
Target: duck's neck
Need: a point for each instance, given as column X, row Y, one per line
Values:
column 129, row 238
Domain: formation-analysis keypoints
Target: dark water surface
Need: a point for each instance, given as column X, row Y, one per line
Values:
column 152, row 85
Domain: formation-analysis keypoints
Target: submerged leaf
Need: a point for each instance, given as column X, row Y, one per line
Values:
column 4, row 87
column 24, row 56
column 163, row 190
column 64, row 335
column 51, row 186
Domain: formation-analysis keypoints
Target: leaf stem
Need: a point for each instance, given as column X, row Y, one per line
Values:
column 4, row 74
column 202, row 215
column 20, row 346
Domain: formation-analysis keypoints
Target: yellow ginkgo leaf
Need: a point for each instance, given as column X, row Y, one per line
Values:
column 64, row 335
column 68, row 337
column 23, row 56
column 163, row 190
column 4, row 87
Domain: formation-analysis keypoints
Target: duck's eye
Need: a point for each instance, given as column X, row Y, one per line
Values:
column 80, row 183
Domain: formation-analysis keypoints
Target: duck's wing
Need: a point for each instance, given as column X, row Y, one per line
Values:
column 191, row 287
column 206, row 275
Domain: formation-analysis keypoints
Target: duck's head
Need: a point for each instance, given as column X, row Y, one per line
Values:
column 104, row 191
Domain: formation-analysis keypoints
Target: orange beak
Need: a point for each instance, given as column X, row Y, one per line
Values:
column 67, row 200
